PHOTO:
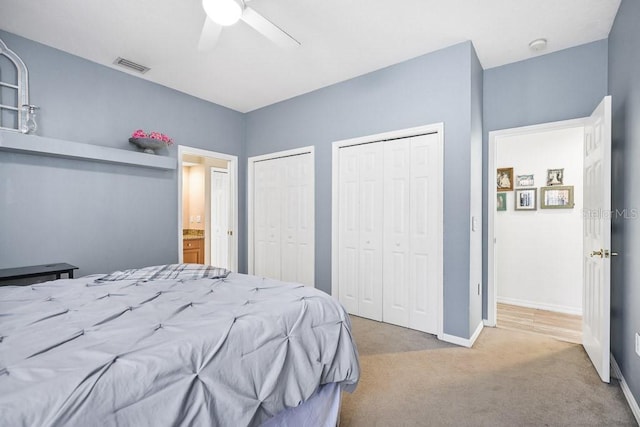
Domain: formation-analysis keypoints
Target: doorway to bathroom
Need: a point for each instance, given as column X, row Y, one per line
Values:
column 207, row 207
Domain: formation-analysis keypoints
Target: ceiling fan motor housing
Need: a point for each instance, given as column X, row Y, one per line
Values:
column 223, row 12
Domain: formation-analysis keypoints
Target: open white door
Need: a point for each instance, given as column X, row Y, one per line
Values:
column 220, row 217
column 597, row 238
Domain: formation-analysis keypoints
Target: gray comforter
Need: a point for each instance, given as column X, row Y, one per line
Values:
column 231, row 350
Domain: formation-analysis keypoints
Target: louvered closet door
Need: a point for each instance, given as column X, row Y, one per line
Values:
column 360, row 224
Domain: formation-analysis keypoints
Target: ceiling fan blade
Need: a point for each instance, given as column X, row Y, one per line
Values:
column 268, row 29
column 209, row 36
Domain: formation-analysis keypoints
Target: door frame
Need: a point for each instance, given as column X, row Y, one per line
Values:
column 251, row 161
column 437, row 128
column 233, row 198
column 494, row 136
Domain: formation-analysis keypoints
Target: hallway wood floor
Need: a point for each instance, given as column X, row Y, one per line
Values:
column 564, row 327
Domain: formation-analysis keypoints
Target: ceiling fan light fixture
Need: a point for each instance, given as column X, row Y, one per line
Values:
column 223, row 12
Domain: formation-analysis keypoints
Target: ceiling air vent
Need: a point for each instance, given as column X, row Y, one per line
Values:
column 131, row 65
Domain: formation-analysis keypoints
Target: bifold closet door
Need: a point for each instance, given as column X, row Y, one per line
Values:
column 266, row 218
column 360, row 229
column 410, row 260
column 388, row 230
column 296, row 215
column 283, row 219
column 397, row 235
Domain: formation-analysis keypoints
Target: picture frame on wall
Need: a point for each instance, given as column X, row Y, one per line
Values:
column 501, row 202
column 504, row 179
column 524, row 181
column 557, row 197
column 555, row 177
column 526, row 199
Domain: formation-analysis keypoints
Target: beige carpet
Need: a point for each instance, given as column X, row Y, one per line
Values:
column 509, row 378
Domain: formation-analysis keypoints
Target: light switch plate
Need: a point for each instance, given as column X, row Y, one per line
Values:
column 638, row 344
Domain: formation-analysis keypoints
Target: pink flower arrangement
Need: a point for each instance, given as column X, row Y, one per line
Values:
column 153, row 135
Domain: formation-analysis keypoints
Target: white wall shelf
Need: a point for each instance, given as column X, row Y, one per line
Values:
column 43, row 146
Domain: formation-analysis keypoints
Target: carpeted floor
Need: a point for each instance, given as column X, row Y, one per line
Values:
column 509, row 378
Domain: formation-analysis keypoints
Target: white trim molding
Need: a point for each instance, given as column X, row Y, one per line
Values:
column 541, row 306
column 631, row 400
column 464, row 342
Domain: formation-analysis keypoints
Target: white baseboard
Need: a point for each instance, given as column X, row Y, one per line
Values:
column 476, row 333
column 541, row 306
column 486, row 323
column 633, row 404
column 464, row 342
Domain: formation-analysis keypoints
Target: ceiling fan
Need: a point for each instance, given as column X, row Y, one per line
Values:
column 223, row 13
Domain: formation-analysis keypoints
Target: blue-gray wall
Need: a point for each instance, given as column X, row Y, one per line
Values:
column 558, row 86
column 428, row 89
column 101, row 217
column 104, row 217
column 624, row 86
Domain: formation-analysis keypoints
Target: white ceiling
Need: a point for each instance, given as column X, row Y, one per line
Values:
column 340, row 39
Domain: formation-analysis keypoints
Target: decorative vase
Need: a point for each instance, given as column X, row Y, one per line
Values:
column 148, row 144
column 29, row 125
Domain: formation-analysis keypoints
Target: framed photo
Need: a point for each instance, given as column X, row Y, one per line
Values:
column 524, row 181
column 555, row 176
column 504, row 179
column 526, row 199
column 501, row 202
column 556, row 197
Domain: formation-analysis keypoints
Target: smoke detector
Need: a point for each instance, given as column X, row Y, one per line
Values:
column 538, row 44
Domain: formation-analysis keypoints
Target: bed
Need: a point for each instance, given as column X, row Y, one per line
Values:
column 179, row 344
